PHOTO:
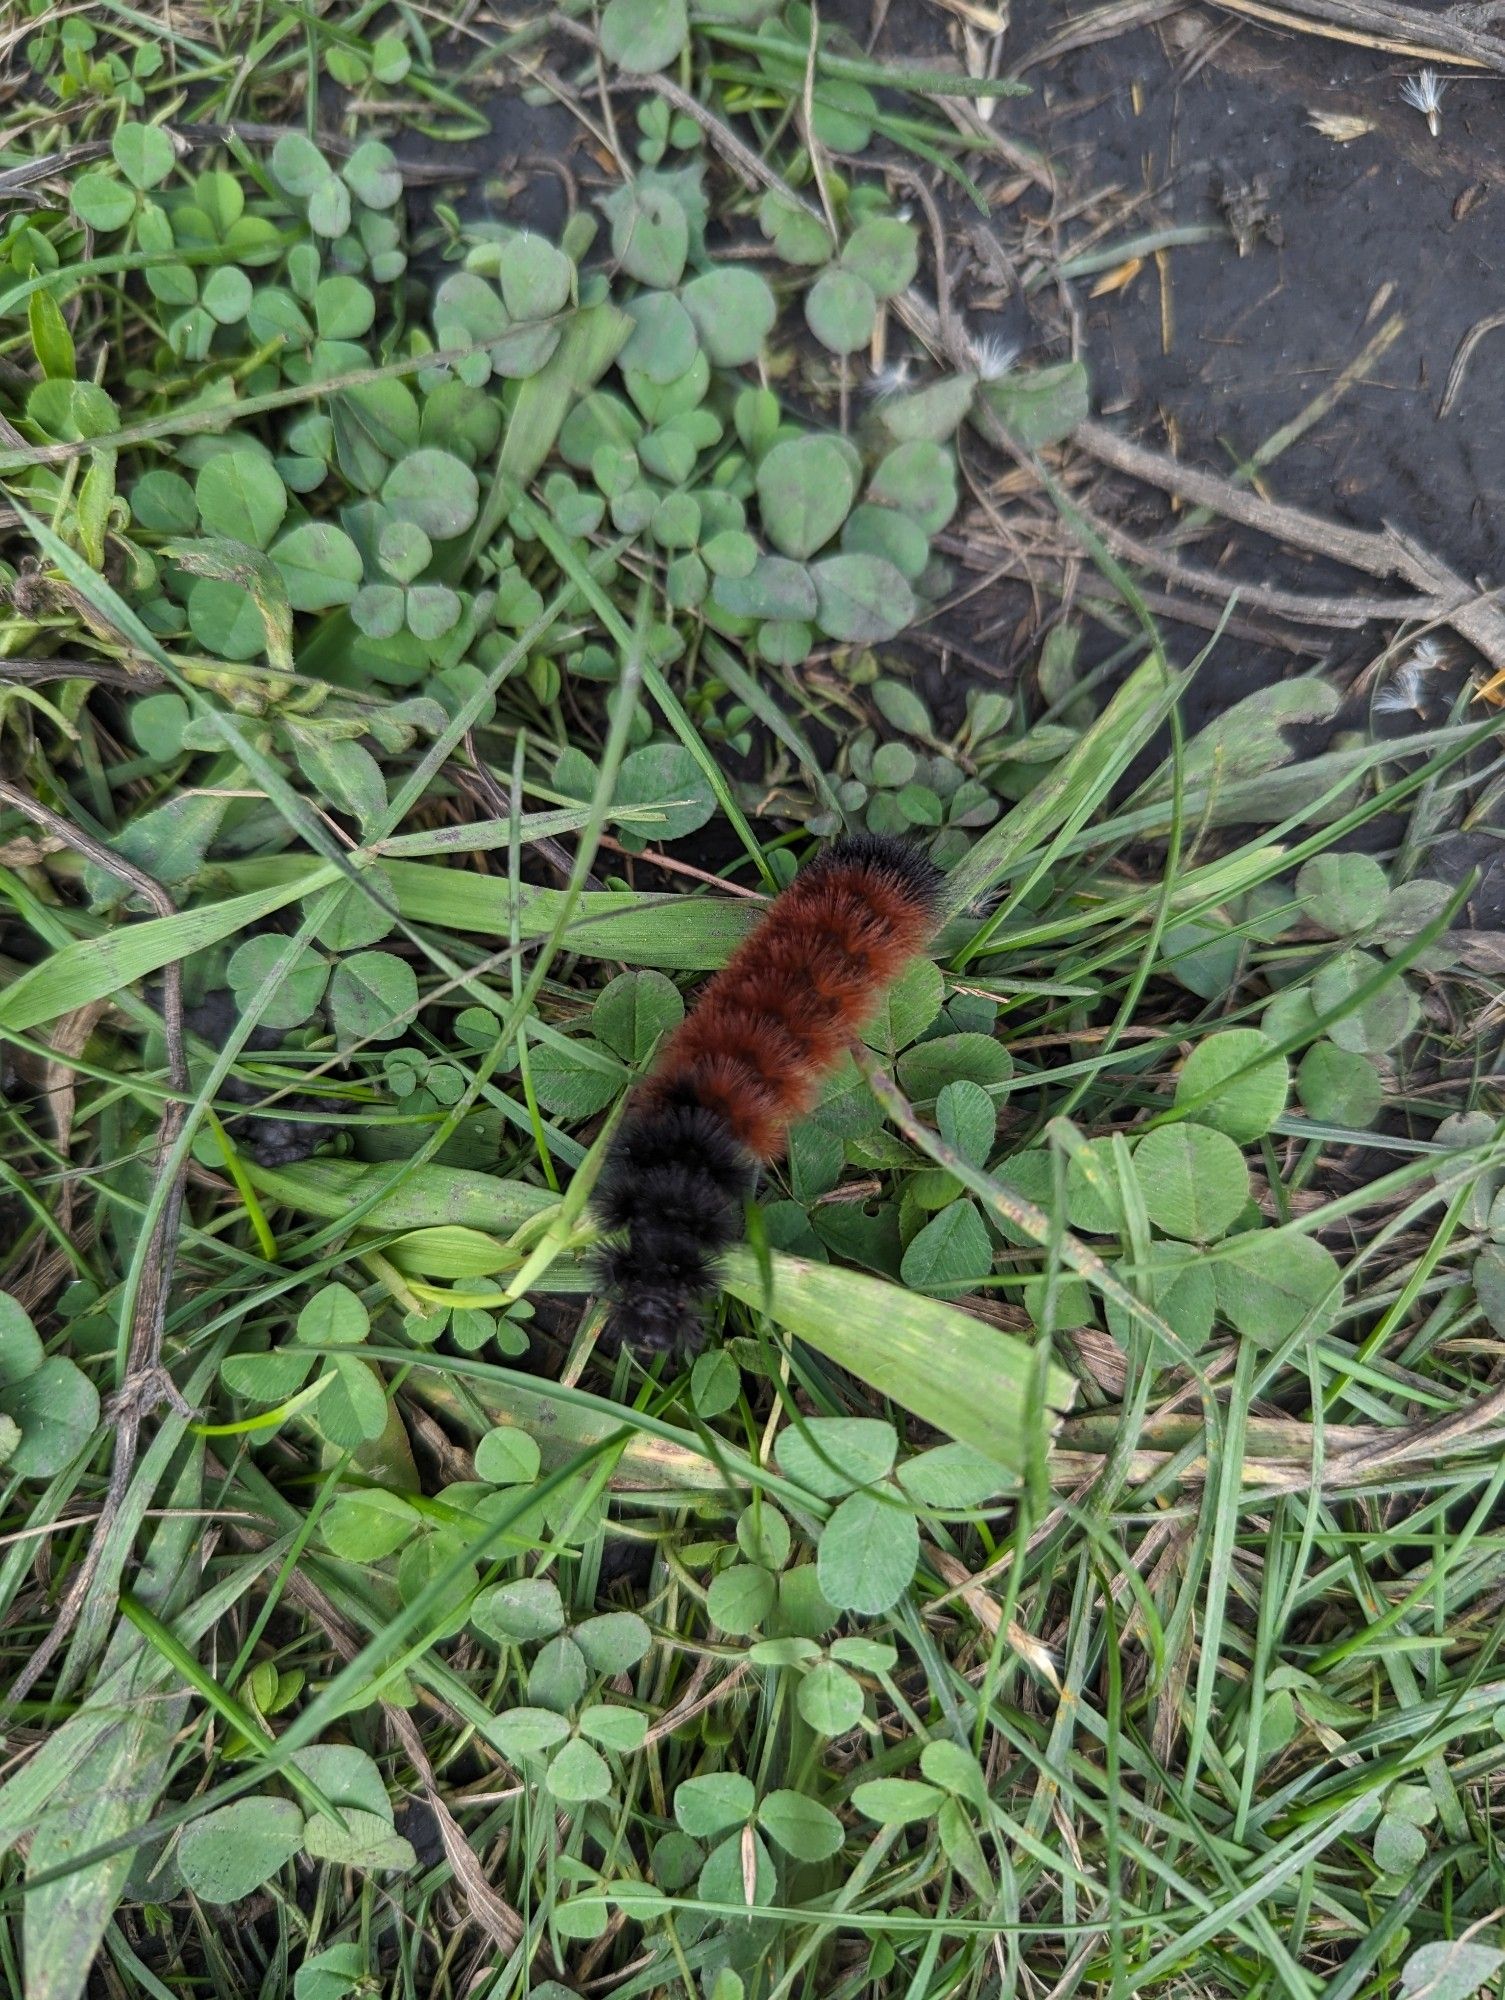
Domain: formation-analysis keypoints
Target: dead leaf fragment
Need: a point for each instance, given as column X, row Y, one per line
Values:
column 1340, row 126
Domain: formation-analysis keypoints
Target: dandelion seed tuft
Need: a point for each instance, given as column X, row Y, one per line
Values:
column 1428, row 656
column 891, row 380
column 995, row 357
column 1423, row 92
column 1405, row 694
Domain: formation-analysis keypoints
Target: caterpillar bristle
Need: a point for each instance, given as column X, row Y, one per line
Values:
column 747, row 1060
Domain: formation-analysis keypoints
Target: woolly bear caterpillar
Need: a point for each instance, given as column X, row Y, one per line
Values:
column 747, row 1060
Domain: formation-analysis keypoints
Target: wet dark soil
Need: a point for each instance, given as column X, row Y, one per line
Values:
column 1205, row 105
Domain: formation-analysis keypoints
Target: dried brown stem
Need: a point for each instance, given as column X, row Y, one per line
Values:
column 1473, row 615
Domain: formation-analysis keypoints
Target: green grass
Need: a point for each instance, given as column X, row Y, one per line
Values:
column 1074, row 1564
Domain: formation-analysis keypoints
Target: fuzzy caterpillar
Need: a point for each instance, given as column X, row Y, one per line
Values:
column 747, row 1060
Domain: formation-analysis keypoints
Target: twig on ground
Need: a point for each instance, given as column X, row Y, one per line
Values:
column 1473, row 615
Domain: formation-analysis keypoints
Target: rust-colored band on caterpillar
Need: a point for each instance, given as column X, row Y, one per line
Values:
column 748, row 1060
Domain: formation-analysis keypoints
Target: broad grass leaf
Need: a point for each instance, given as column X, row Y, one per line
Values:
column 448, row 1251
column 1249, row 736
column 229, row 1852
column 1065, row 799
column 969, row 1380
column 97, row 1775
column 868, row 1552
column 408, row 1198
